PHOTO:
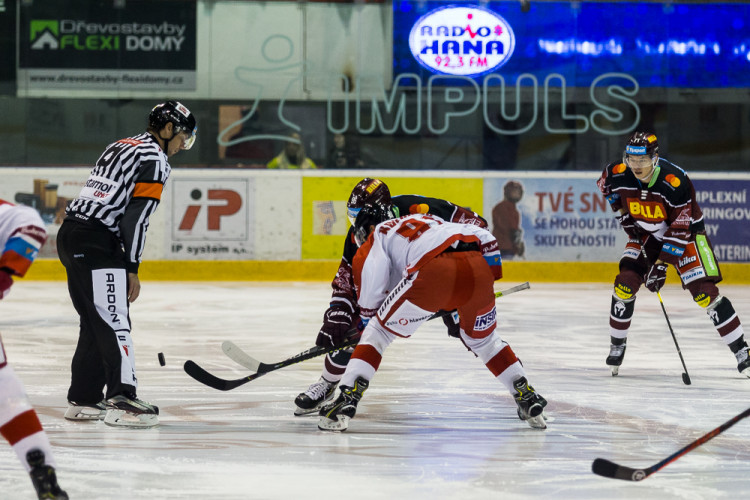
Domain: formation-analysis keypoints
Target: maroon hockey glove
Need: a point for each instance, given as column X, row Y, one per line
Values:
column 629, row 225
column 656, row 276
column 5, row 283
column 337, row 321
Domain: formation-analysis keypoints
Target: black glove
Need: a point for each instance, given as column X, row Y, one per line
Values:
column 629, row 225
column 451, row 320
column 337, row 322
column 656, row 276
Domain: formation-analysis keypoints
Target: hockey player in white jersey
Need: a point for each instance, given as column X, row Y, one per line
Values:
column 22, row 234
column 405, row 270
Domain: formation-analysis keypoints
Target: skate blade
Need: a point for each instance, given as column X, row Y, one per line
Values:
column 615, row 370
column 537, row 422
column 78, row 413
column 339, row 425
column 300, row 412
column 121, row 418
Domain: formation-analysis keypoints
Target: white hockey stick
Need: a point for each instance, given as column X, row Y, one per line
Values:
column 242, row 358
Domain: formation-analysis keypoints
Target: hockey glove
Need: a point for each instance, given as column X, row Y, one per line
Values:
column 629, row 225
column 451, row 320
column 656, row 276
column 337, row 321
column 5, row 283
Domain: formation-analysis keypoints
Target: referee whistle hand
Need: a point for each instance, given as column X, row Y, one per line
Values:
column 134, row 287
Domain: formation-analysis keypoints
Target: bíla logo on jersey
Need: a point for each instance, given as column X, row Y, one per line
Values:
column 461, row 40
column 485, row 321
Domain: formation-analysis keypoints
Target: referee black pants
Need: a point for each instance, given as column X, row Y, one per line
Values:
column 97, row 281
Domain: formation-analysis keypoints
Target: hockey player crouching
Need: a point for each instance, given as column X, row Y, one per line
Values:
column 405, row 270
column 654, row 201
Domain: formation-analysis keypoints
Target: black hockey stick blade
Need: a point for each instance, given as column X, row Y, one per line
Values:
column 686, row 378
column 206, row 378
column 606, row 468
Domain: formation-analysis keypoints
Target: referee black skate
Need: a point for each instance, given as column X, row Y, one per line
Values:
column 100, row 244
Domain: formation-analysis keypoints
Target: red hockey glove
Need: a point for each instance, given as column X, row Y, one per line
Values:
column 337, row 321
column 656, row 276
column 629, row 225
column 5, row 283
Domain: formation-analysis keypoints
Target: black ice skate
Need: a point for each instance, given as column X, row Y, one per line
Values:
column 616, row 354
column 315, row 397
column 335, row 416
column 743, row 361
column 43, row 477
column 77, row 411
column 530, row 404
column 126, row 410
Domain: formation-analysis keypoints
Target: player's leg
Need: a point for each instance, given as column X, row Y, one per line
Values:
column 628, row 281
column 20, row 426
column 699, row 272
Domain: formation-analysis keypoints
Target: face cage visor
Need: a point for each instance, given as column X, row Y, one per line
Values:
column 351, row 214
column 188, row 143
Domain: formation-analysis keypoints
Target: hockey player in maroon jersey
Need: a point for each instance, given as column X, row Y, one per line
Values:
column 654, row 201
column 405, row 270
column 342, row 315
column 22, row 234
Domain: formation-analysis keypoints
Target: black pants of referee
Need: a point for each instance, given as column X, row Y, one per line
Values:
column 98, row 284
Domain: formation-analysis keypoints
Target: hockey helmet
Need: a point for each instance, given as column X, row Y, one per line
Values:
column 643, row 144
column 368, row 216
column 179, row 116
column 367, row 192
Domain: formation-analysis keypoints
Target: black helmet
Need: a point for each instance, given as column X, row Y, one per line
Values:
column 370, row 215
column 642, row 143
column 367, row 192
column 177, row 114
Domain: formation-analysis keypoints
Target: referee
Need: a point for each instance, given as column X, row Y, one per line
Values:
column 100, row 244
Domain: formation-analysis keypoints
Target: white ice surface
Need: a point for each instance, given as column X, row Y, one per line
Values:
column 433, row 425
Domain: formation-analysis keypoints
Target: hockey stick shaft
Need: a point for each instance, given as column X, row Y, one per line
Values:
column 244, row 359
column 612, row 470
column 685, row 376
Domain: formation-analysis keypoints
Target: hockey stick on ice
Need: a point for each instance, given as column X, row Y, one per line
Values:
column 612, row 470
column 685, row 376
column 206, row 378
column 239, row 356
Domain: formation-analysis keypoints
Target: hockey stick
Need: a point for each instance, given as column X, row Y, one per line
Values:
column 206, row 378
column 685, row 376
column 239, row 356
column 612, row 470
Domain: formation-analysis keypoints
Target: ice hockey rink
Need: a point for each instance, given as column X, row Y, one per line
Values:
column 434, row 423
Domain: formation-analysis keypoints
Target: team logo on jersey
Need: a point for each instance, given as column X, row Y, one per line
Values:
column 619, row 168
column 672, row 180
column 462, row 40
column 646, row 210
column 485, row 321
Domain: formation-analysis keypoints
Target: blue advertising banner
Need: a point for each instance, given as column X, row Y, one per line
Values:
column 727, row 216
column 548, row 218
column 656, row 44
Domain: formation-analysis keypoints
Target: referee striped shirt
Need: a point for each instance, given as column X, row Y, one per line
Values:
column 123, row 190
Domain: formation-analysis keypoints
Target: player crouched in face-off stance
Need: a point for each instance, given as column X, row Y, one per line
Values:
column 22, row 234
column 405, row 270
column 342, row 316
column 100, row 244
column 655, row 204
